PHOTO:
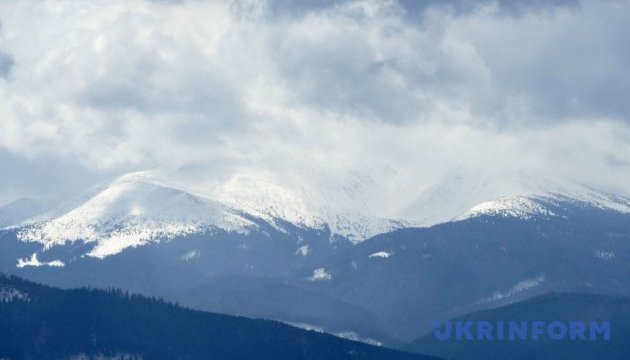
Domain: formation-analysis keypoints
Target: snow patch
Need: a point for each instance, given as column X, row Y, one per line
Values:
column 521, row 286
column 305, row 326
column 320, row 275
column 9, row 294
column 190, row 255
column 604, row 255
column 351, row 335
column 303, row 250
column 348, row 335
column 34, row 262
column 381, row 254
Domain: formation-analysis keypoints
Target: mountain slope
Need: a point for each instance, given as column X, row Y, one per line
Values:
column 47, row 323
column 313, row 199
column 271, row 298
column 411, row 275
column 132, row 212
column 462, row 196
column 563, row 237
column 139, row 208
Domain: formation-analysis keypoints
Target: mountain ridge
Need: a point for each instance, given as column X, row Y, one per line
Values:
column 141, row 208
column 43, row 322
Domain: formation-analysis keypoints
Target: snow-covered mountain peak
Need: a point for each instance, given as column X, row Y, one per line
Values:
column 522, row 207
column 311, row 200
column 144, row 207
column 149, row 206
column 133, row 211
column 459, row 192
column 510, row 194
column 258, row 194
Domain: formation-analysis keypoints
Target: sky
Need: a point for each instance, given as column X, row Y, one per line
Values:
column 419, row 89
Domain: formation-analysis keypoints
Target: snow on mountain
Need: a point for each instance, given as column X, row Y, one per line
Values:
column 523, row 207
column 381, row 254
column 134, row 211
column 320, row 275
column 145, row 207
column 10, row 294
column 34, row 262
column 315, row 200
column 458, row 193
column 507, row 194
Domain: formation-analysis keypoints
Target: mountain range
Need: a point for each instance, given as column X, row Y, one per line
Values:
column 324, row 255
column 40, row 322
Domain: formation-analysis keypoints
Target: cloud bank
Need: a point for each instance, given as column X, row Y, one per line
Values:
column 90, row 90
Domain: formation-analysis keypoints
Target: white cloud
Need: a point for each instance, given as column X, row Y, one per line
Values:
column 120, row 85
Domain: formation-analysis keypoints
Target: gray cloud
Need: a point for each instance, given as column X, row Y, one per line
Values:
column 505, row 7
column 416, row 9
column 6, row 61
column 43, row 177
column 552, row 66
column 419, row 87
column 6, row 64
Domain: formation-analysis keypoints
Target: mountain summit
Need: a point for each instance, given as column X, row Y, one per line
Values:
column 510, row 194
column 141, row 208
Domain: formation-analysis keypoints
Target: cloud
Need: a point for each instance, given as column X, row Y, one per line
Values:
column 365, row 58
column 45, row 177
column 417, row 8
column 6, row 63
column 420, row 87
